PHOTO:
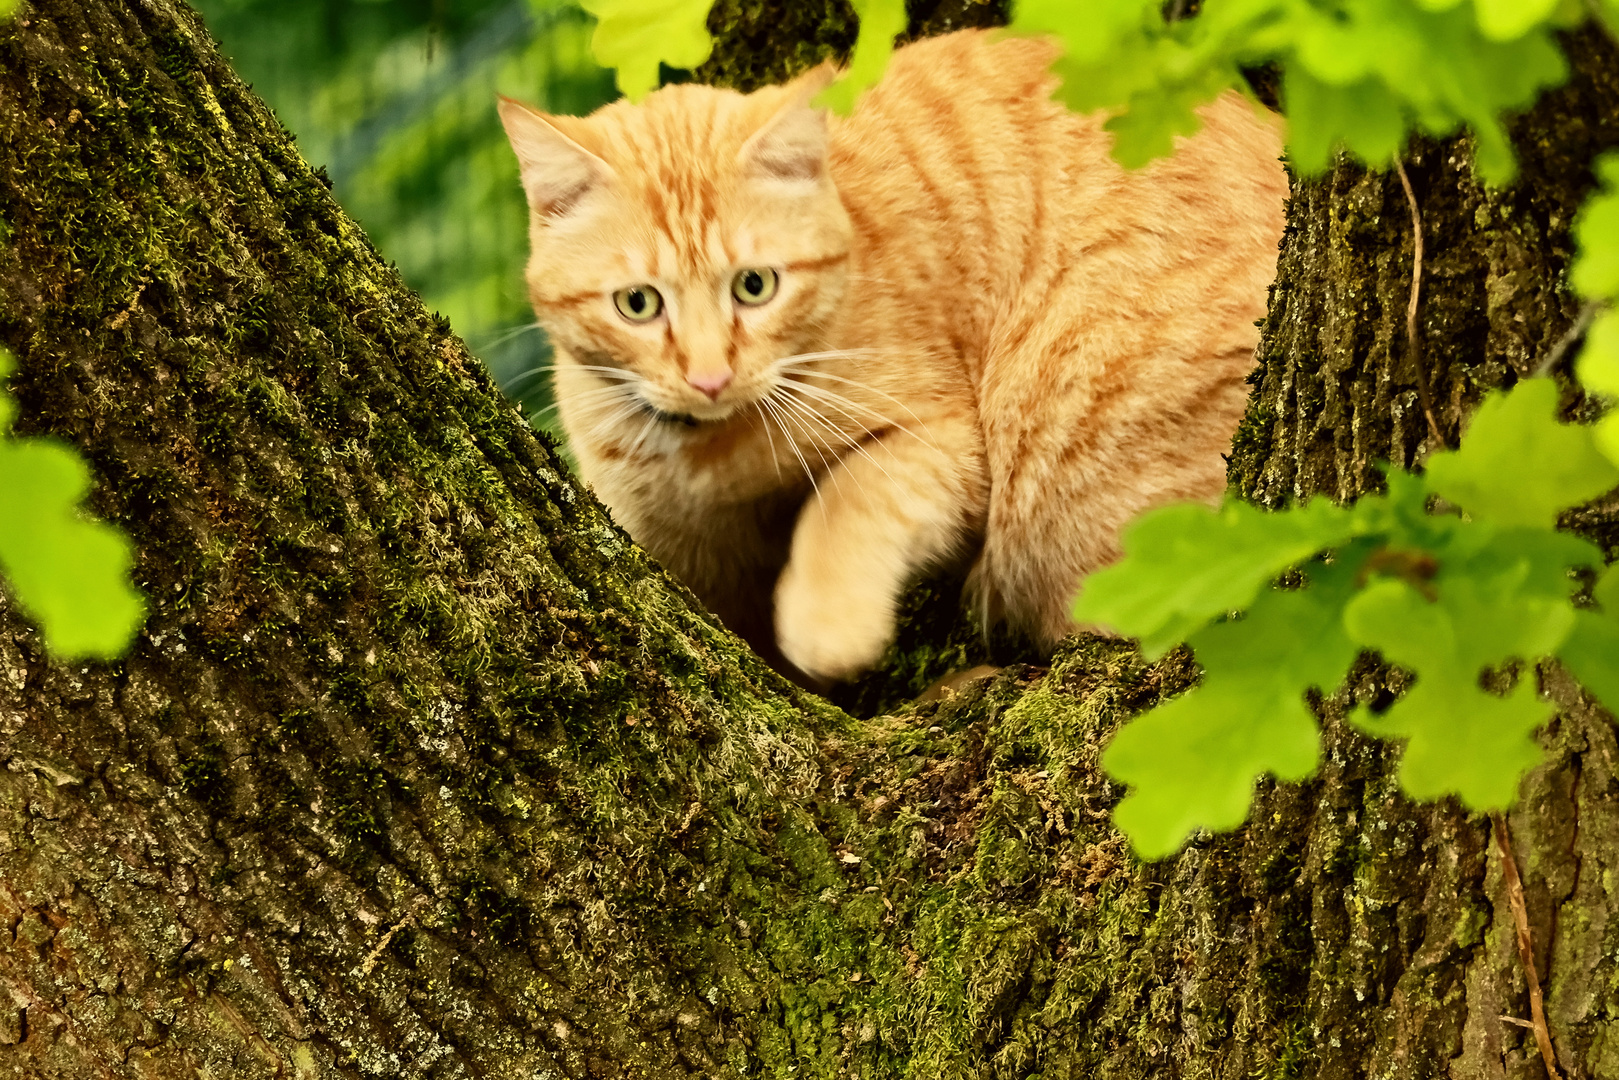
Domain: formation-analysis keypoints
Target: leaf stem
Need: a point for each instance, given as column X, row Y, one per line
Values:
column 1526, row 946
column 1570, row 338
column 1412, row 338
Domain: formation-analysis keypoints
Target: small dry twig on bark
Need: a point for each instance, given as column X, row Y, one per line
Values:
column 1570, row 338
column 409, row 920
column 1526, row 947
column 1412, row 340
column 1600, row 17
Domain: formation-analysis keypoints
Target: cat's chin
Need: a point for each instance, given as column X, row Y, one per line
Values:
column 673, row 419
column 721, row 414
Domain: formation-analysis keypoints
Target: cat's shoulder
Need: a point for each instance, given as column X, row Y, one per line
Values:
column 975, row 57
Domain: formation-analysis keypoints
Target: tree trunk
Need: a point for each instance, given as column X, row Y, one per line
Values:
column 421, row 769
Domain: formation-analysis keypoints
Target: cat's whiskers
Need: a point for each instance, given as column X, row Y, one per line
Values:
column 795, row 369
column 835, row 354
column 808, row 415
column 843, row 403
column 510, row 385
column 788, row 366
column 853, row 429
column 611, row 390
column 619, row 385
column 799, row 362
column 604, row 430
column 848, row 440
column 603, row 370
column 584, row 399
column 608, row 406
column 823, row 398
column 803, row 363
column 509, row 333
column 765, row 419
column 789, row 412
column 630, row 404
column 651, row 423
column 776, row 410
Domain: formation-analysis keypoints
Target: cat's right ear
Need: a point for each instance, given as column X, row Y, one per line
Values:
column 557, row 172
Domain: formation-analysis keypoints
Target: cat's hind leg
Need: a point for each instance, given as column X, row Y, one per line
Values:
column 905, row 501
column 1077, row 451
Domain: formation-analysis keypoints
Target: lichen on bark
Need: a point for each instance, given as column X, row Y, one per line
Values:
column 421, row 768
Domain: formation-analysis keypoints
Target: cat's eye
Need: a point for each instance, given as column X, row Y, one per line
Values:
column 753, row 286
column 638, row 303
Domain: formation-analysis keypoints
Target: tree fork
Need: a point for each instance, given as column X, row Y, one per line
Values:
column 420, row 768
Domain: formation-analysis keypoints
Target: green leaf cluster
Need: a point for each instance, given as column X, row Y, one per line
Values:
column 1595, row 275
column 1454, row 595
column 634, row 36
column 1356, row 74
column 1592, row 651
column 65, row 569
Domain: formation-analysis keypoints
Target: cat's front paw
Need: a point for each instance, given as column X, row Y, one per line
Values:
column 831, row 632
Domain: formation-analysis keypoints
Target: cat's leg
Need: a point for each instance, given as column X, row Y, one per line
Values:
column 907, row 500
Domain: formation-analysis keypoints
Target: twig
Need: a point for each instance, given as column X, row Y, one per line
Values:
column 408, row 920
column 1570, row 338
column 1526, row 946
column 1412, row 339
column 1600, row 17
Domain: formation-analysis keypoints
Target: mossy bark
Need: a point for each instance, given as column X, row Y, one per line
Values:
column 419, row 768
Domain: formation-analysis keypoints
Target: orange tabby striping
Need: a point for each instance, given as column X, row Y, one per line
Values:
column 803, row 359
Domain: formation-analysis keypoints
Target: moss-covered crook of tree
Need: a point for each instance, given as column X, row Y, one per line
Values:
column 421, row 769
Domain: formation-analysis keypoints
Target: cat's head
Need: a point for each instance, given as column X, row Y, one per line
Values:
column 690, row 241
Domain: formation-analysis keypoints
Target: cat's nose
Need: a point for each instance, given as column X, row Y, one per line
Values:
column 710, row 382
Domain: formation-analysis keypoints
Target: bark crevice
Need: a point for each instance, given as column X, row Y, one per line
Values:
column 420, row 768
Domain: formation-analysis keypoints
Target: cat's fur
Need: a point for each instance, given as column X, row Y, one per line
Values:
column 1012, row 345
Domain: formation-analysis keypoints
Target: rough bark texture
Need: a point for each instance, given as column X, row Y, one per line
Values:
column 421, row 769
column 1336, row 392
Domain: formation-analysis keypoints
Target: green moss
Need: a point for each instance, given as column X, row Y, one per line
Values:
column 354, row 789
column 201, row 774
column 757, row 44
column 632, row 845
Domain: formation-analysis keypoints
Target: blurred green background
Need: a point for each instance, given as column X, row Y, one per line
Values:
column 396, row 98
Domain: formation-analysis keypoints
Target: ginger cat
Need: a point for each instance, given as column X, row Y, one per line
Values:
column 805, row 358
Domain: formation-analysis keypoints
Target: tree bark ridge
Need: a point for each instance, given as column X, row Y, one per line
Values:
column 421, row 769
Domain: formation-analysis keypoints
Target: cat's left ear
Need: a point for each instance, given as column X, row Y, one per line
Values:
column 791, row 143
